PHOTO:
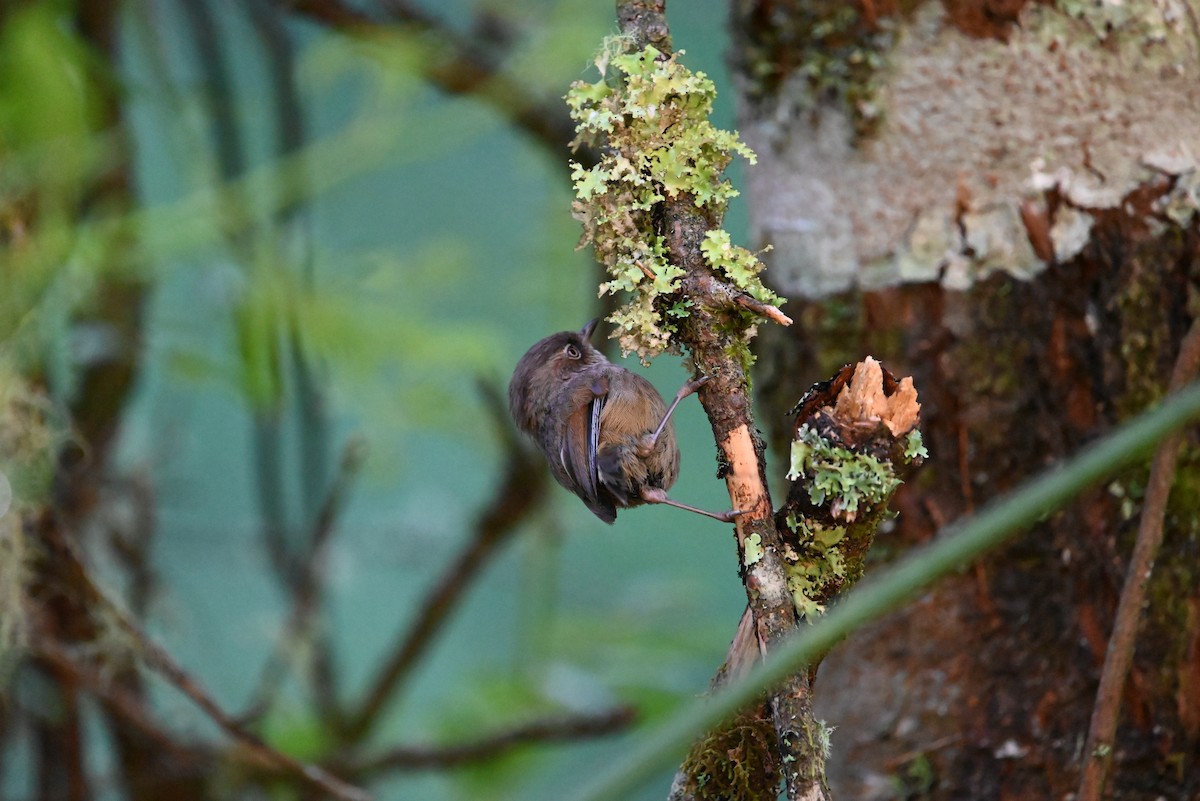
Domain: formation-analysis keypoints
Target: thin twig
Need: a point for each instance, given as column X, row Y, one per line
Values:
column 162, row 662
column 1106, row 711
column 114, row 696
column 306, row 592
column 765, row 309
column 521, row 489
column 458, row 64
column 563, row 728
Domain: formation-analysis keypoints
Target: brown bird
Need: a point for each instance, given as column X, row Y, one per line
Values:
column 604, row 430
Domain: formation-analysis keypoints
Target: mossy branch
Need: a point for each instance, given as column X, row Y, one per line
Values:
column 648, row 115
column 954, row 546
column 652, row 209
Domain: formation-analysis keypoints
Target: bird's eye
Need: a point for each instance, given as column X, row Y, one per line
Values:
column 572, row 352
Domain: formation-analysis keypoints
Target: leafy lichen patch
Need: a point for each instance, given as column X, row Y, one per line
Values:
column 652, row 115
column 852, row 480
column 856, row 436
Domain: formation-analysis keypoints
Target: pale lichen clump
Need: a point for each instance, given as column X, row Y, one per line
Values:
column 849, row 484
column 649, row 115
column 850, row 479
column 26, row 450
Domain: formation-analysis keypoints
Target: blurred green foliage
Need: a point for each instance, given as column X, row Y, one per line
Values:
column 360, row 284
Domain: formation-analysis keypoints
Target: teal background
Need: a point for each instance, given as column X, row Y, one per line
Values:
column 442, row 256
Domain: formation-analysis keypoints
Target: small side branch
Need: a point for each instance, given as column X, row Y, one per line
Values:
column 520, row 491
column 458, row 64
column 565, row 728
column 763, row 309
column 161, row 662
column 855, row 438
column 1106, row 711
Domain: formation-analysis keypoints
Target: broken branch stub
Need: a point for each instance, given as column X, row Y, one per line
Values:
column 855, row 439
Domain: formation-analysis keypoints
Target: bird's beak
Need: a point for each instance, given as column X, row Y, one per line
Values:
column 587, row 331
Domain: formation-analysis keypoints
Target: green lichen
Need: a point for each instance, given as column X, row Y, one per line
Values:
column 738, row 264
column 916, row 779
column 819, row 567
column 809, row 742
column 15, row 560
column 1184, row 502
column 914, row 446
column 831, row 531
column 28, row 441
column 1182, row 203
column 1170, row 593
column 1136, row 20
column 853, row 480
column 752, row 552
column 738, row 350
column 1144, row 330
column 651, row 113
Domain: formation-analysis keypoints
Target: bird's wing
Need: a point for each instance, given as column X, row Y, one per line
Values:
column 577, row 455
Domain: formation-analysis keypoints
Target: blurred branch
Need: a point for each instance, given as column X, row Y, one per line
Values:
column 61, row 755
column 164, row 664
column 458, row 64
column 270, row 495
column 292, row 190
column 293, row 228
column 519, row 492
column 116, row 698
column 240, row 233
column 306, row 592
column 289, row 112
column 132, row 538
column 563, row 728
column 1098, row 754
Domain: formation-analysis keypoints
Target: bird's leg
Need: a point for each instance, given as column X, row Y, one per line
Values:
column 657, row 495
column 646, row 445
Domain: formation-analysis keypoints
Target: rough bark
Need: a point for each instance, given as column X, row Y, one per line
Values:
column 1037, row 304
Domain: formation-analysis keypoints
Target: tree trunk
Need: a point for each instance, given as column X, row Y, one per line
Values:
column 999, row 199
